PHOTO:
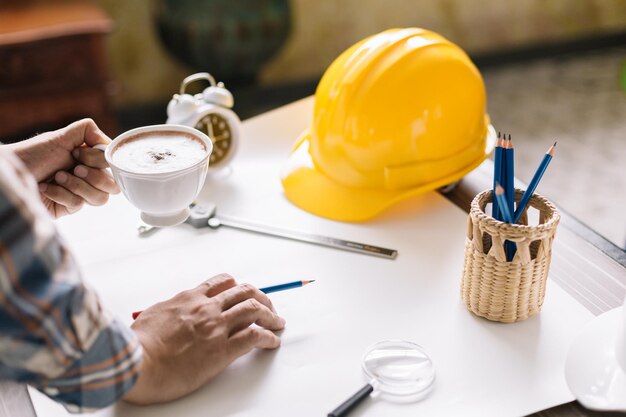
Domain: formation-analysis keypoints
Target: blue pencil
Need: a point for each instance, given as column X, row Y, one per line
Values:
column 533, row 184
column 510, row 175
column 509, row 154
column 266, row 290
column 504, row 207
column 287, row 286
column 497, row 177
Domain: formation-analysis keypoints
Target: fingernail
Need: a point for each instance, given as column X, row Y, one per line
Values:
column 43, row 187
column 80, row 171
column 60, row 177
column 283, row 320
column 76, row 153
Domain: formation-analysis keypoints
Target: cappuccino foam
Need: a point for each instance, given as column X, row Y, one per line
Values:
column 158, row 152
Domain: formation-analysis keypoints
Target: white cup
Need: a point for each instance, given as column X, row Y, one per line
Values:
column 162, row 197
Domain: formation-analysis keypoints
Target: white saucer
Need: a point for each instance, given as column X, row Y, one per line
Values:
column 591, row 370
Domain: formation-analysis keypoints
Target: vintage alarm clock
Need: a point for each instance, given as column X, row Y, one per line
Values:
column 209, row 112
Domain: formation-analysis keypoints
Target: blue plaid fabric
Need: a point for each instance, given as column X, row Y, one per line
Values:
column 54, row 333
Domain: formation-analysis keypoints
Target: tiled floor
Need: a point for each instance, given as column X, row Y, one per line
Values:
column 578, row 101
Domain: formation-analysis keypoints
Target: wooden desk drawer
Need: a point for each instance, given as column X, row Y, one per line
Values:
column 60, row 61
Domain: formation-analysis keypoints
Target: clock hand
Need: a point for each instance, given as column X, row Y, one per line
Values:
column 209, row 129
column 220, row 137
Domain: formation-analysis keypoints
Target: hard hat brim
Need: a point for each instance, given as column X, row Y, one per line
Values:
column 313, row 191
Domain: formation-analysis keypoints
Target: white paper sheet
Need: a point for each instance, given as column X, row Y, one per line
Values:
column 483, row 368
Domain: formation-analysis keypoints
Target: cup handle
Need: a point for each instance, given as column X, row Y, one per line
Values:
column 102, row 147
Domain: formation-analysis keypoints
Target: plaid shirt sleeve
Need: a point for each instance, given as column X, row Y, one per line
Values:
column 54, row 333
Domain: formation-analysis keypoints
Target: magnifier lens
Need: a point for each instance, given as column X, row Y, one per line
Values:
column 402, row 370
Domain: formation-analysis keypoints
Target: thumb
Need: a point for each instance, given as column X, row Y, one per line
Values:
column 83, row 131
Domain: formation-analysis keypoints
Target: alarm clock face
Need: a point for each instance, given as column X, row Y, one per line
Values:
column 218, row 130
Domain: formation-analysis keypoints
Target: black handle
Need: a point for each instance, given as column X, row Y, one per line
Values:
column 351, row 402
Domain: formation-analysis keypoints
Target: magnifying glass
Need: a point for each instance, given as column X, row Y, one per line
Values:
column 397, row 370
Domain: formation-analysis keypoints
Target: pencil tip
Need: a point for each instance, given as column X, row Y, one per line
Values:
column 555, row 142
column 551, row 150
column 498, row 134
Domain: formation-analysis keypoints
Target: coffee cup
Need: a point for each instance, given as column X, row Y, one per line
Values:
column 160, row 169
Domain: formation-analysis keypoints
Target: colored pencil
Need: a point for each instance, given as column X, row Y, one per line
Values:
column 521, row 207
column 266, row 290
column 497, row 177
column 287, row 286
column 509, row 153
column 503, row 177
column 504, row 207
column 510, row 174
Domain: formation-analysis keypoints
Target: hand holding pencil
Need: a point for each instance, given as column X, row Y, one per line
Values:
column 266, row 290
column 190, row 338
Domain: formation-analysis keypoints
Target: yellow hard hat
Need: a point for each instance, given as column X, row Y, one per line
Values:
column 399, row 113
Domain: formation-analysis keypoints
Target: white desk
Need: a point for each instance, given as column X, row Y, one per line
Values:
column 483, row 368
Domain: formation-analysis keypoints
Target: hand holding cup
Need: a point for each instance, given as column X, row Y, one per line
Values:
column 160, row 169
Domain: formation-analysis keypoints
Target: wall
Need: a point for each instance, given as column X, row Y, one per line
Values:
column 143, row 70
column 324, row 28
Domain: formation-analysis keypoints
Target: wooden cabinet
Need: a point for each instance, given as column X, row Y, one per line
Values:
column 53, row 67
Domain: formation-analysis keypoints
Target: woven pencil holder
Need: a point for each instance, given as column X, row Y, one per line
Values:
column 493, row 287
